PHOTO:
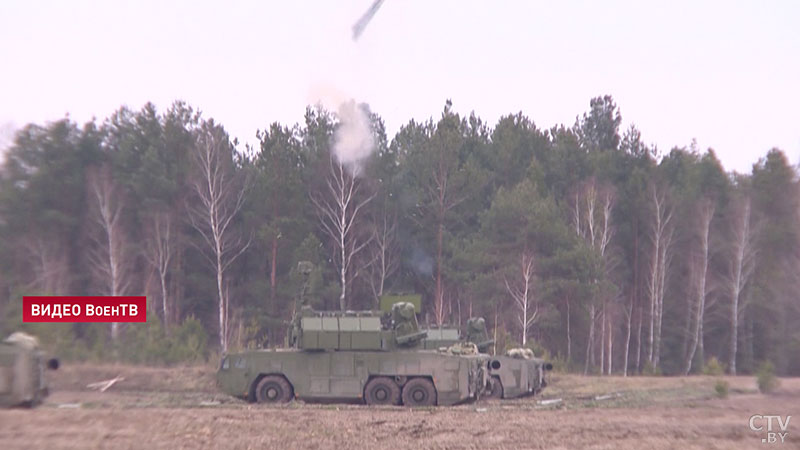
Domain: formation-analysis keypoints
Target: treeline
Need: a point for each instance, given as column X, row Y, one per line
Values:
column 581, row 242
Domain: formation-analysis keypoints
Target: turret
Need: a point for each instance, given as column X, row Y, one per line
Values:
column 356, row 330
column 477, row 334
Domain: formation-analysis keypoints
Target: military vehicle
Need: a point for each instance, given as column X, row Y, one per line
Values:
column 22, row 371
column 365, row 356
column 515, row 374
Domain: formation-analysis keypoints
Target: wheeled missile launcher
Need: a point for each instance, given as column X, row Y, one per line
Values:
column 365, row 356
column 515, row 374
column 22, row 371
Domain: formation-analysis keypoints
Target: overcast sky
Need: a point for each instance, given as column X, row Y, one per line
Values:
column 726, row 73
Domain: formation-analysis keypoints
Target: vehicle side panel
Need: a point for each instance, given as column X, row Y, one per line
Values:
column 343, row 375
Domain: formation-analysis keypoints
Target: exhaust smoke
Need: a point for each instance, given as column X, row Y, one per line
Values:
column 353, row 140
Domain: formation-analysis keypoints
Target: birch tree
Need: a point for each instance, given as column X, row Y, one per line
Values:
column 660, row 234
column 220, row 197
column 740, row 269
column 520, row 288
column 384, row 247
column 158, row 253
column 628, row 312
column 340, row 206
column 705, row 214
column 111, row 259
column 591, row 217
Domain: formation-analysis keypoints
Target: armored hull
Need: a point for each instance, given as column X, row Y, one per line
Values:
column 352, row 376
column 512, row 377
column 367, row 356
column 22, row 371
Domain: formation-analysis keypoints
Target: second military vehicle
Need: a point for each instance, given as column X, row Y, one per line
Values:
column 515, row 374
column 366, row 356
column 22, row 371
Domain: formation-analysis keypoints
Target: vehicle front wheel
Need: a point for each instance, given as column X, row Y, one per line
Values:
column 273, row 389
column 419, row 392
column 382, row 391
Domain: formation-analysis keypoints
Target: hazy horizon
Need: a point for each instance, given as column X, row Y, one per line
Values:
column 723, row 73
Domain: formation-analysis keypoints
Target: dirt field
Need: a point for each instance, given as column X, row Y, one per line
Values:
column 180, row 408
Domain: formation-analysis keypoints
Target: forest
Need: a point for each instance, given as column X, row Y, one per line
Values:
column 599, row 251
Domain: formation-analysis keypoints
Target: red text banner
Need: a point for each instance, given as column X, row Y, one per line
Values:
column 84, row 309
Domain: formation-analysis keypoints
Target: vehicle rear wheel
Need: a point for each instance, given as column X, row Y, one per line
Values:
column 496, row 391
column 273, row 389
column 419, row 392
column 382, row 391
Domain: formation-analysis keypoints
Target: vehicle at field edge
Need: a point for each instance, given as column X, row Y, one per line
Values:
column 364, row 356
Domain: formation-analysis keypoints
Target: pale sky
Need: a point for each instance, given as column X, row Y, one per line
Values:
column 724, row 72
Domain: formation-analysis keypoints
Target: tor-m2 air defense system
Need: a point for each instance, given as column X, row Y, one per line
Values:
column 22, row 371
column 517, row 373
column 368, row 356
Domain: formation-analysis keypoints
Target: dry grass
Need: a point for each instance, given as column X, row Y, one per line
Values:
column 180, row 408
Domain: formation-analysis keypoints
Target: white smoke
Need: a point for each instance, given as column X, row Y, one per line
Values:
column 353, row 141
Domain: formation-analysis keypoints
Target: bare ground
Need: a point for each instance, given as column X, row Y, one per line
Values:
column 156, row 408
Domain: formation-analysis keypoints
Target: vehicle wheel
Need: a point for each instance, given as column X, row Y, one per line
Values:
column 496, row 391
column 273, row 389
column 419, row 392
column 382, row 391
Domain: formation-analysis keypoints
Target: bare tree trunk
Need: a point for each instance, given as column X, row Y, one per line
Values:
column 158, row 252
column 628, row 316
column 590, row 341
column 438, row 299
column 569, row 336
column 610, row 346
column 661, row 238
column 701, row 344
column 593, row 224
column 639, row 340
column 339, row 208
column 522, row 293
column 603, row 339
column 749, row 338
column 177, row 282
column 634, row 299
column 111, row 259
column 384, row 261
column 741, row 269
column 220, row 200
column 706, row 215
column 653, row 299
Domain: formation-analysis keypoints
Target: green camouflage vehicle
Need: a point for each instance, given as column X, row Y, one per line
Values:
column 515, row 374
column 368, row 356
column 22, row 367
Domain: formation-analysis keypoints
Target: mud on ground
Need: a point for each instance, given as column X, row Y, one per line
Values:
column 157, row 408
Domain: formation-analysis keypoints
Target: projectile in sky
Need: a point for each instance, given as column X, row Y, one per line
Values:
column 362, row 23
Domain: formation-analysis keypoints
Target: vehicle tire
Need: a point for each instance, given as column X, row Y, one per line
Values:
column 382, row 391
column 419, row 392
column 273, row 389
column 496, row 391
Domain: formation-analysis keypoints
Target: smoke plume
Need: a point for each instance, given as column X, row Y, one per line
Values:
column 353, row 141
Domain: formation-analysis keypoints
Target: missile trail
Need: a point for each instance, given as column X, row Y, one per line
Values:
column 362, row 23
